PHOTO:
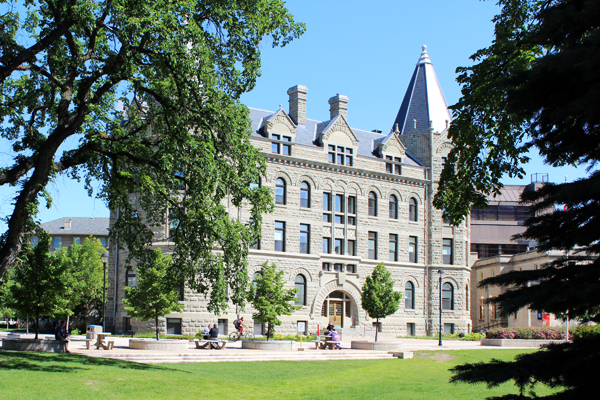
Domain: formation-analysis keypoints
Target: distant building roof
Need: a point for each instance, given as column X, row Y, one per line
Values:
column 77, row 226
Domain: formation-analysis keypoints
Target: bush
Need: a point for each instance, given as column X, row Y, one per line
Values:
column 584, row 332
column 545, row 333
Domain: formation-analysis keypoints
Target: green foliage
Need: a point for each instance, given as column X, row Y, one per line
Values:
column 378, row 296
column 155, row 294
column 270, row 299
column 536, row 86
column 38, row 282
column 179, row 68
column 84, row 275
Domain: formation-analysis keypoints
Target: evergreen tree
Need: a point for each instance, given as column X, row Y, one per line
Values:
column 378, row 296
column 38, row 282
column 537, row 86
column 155, row 294
column 67, row 67
column 270, row 299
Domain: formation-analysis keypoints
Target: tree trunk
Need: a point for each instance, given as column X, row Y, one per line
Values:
column 268, row 331
column 157, row 334
column 27, row 325
column 37, row 326
column 376, row 329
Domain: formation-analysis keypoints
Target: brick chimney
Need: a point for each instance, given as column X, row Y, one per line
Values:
column 338, row 105
column 298, row 103
column 67, row 225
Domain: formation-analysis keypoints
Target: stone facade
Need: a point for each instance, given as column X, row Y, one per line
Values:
column 312, row 154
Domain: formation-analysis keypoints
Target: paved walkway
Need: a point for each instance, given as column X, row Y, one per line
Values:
column 234, row 352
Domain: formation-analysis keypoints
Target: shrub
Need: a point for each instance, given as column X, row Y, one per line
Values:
column 544, row 333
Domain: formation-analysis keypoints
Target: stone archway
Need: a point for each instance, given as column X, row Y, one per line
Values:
column 335, row 300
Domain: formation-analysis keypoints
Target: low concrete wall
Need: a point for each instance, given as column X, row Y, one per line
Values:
column 275, row 345
column 518, row 342
column 158, row 345
column 383, row 346
column 48, row 346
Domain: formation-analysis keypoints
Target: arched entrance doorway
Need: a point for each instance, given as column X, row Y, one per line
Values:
column 338, row 306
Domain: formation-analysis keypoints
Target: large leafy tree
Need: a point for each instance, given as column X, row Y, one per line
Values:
column 378, row 297
column 270, row 299
column 84, row 276
column 536, row 86
column 65, row 68
column 38, row 282
column 155, row 293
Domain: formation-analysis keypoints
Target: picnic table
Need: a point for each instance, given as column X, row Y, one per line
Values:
column 326, row 343
column 216, row 344
column 100, row 341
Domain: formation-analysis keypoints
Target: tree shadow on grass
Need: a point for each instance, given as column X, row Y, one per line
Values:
column 63, row 363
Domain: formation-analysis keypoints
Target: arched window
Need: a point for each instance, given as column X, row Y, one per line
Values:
column 280, row 191
column 372, row 204
column 447, row 296
column 393, row 207
column 412, row 209
column 254, row 278
column 300, row 290
column 409, row 296
column 255, row 184
column 304, row 195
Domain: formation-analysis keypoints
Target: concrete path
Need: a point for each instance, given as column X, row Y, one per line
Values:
column 234, row 353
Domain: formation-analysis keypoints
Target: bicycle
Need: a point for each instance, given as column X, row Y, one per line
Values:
column 247, row 335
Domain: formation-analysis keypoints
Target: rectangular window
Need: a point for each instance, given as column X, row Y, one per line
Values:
column 279, row 146
column 131, row 278
column 349, row 160
column 326, row 207
column 393, row 165
column 279, row 236
column 447, row 251
column 275, row 146
column 174, row 226
column 340, row 155
column 410, row 329
column 412, row 249
column 339, row 208
column 448, row 329
column 393, row 253
column 222, row 326
column 351, row 210
column 481, row 309
column 351, row 247
column 57, row 242
column 173, row 326
column 351, row 268
column 373, row 245
column 326, row 245
column 76, row 240
column 304, row 238
column 287, row 149
column 338, row 267
column 103, row 242
column 326, row 267
column 339, row 246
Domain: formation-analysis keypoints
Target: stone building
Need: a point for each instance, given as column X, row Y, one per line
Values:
column 68, row 230
column 345, row 200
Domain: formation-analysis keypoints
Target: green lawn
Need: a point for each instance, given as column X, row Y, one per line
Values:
column 66, row 376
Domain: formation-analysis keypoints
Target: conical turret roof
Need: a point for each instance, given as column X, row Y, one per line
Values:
column 424, row 101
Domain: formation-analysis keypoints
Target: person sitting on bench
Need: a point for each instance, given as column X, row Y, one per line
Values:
column 61, row 334
column 335, row 337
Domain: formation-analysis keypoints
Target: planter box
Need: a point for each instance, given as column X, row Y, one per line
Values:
column 382, row 346
column 48, row 346
column 158, row 345
column 537, row 343
column 274, row 345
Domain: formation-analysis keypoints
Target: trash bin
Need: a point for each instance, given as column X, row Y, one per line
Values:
column 91, row 331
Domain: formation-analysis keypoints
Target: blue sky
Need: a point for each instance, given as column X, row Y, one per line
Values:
column 364, row 50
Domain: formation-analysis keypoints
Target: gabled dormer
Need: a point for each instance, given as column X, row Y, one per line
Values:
column 281, row 129
column 393, row 151
column 336, row 136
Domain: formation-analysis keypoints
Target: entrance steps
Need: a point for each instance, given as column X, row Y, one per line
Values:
column 251, row 355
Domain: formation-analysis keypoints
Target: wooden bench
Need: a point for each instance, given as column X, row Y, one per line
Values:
column 210, row 344
column 109, row 344
column 322, row 345
column 88, row 343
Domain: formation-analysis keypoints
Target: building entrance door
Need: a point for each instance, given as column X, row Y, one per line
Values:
column 337, row 305
column 335, row 312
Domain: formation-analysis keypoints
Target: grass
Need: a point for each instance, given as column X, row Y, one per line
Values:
column 61, row 376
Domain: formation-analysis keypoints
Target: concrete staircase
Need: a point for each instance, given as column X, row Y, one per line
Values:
column 249, row 355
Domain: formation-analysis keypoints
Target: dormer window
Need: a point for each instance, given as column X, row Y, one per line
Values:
column 340, row 155
column 392, row 165
column 281, row 144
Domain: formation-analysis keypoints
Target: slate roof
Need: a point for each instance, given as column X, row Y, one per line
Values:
column 84, row 226
column 307, row 135
column 509, row 193
column 423, row 101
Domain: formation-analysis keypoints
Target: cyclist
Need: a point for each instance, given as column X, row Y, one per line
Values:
column 239, row 325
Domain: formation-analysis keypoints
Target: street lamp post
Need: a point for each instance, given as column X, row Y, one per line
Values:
column 104, row 262
column 441, row 272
